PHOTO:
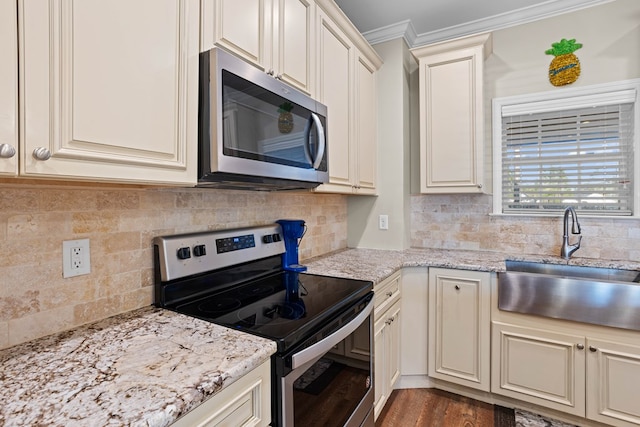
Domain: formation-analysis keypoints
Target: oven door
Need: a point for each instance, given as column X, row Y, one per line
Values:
column 327, row 380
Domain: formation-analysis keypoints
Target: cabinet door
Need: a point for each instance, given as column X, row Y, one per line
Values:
column 387, row 355
column 293, row 41
column 393, row 347
column 459, row 327
column 451, row 116
column 613, row 387
column 335, row 90
column 240, row 26
column 379, row 362
column 8, row 88
column 540, row 367
column 366, row 123
column 109, row 89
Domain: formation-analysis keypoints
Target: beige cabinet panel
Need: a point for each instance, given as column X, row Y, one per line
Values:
column 8, row 88
column 277, row 36
column 239, row 26
column 540, row 367
column 386, row 338
column 293, row 58
column 109, row 89
column 246, row 402
column 414, row 332
column 366, row 124
column 346, row 80
column 386, row 356
column 335, row 90
column 452, row 116
column 613, row 383
column 459, row 327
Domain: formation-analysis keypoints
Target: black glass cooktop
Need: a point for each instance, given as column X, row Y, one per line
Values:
column 284, row 306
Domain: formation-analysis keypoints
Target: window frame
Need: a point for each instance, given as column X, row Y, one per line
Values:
column 558, row 100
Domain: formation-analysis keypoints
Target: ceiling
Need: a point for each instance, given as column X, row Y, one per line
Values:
column 426, row 21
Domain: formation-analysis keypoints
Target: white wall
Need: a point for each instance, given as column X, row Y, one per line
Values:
column 393, row 158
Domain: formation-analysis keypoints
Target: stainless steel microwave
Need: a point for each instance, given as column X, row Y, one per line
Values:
column 255, row 131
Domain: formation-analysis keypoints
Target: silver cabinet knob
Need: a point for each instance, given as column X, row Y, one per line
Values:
column 279, row 77
column 270, row 72
column 41, row 153
column 457, row 287
column 7, row 151
column 592, row 349
column 389, row 294
column 580, row 346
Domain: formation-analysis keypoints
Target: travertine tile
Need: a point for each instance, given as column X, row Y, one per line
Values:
column 121, row 223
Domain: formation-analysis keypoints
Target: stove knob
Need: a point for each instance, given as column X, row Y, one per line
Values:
column 267, row 239
column 199, row 250
column 184, row 253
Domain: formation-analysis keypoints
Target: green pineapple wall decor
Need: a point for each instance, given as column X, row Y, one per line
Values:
column 565, row 67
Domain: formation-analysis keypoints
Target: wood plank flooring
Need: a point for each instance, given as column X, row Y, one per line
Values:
column 437, row 408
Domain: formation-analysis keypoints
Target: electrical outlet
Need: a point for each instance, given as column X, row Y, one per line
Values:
column 76, row 258
column 383, row 222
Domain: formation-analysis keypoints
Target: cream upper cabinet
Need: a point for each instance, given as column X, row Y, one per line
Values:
column 278, row 36
column 452, row 146
column 8, row 88
column 459, row 327
column 347, row 68
column 108, row 89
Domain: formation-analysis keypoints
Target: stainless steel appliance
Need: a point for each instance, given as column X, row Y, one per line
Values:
column 322, row 371
column 255, row 131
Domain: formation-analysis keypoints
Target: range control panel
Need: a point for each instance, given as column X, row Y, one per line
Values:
column 187, row 254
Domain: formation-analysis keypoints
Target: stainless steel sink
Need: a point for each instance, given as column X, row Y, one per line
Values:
column 601, row 296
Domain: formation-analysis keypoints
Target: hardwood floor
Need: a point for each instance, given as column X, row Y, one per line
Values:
column 437, row 408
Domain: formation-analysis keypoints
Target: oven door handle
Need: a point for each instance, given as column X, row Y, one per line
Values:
column 323, row 346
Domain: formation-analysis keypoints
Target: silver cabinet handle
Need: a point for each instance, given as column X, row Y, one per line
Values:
column 7, row 151
column 41, row 153
column 592, row 349
column 389, row 294
column 270, row 72
column 580, row 346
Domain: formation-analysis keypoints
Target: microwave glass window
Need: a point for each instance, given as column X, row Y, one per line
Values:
column 273, row 129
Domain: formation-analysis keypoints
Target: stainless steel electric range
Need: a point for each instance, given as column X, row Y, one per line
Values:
column 322, row 371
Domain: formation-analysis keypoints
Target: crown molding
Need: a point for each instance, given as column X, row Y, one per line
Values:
column 525, row 15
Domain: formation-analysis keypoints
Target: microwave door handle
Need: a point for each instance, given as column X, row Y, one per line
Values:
column 314, row 120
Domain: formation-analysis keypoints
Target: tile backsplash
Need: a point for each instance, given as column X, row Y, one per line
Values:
column 463, row 222
column 120, row 222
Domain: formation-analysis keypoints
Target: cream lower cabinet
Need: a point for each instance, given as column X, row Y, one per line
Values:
column 459, row 327
column 452, row 146
column 8, row 88
column 278, row 36
column 347, row 86
column 583, row 376
column 109, row 90
column 386, row 339
column 246, row 402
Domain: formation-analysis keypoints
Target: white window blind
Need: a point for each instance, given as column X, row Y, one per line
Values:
column 581, row 157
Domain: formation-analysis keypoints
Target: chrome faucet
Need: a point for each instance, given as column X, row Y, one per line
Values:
column 567, row 250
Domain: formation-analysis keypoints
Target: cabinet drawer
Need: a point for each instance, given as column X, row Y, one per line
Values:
column 386, row 293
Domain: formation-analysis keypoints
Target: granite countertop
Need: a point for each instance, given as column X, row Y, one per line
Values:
column 143, row 368
column 378, row 264
column 150, row 366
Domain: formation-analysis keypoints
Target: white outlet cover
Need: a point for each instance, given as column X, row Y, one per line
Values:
column 76, row 258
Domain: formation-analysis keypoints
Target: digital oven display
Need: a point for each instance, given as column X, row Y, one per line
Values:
column 230, row 244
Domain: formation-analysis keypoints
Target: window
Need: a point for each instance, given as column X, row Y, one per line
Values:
column 570, row 147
